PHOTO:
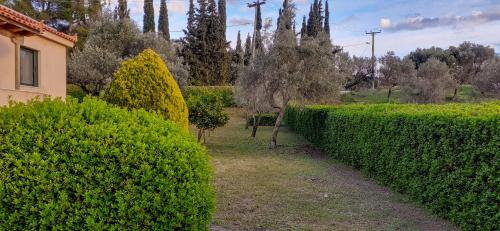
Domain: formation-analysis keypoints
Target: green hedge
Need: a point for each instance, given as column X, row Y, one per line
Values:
column 75, row 91
column 265, row 119
column 224, row 92
column 91, row 166
column 447, row 157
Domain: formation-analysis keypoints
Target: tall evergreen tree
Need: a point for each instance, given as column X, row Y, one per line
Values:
column 123, row 11
column 205, row 46
column 239, row 50
column 223, row 16
column 217, row 38
column 327, row 19
column 191, row 15
column 259, row 46
column 248, row 50
column 303, row 31
column 315, row 20
column 149, row 17
column 279, row 18
column 163, row 21
column 258, row 24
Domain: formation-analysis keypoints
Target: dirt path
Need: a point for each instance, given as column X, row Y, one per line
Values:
column 296, row 188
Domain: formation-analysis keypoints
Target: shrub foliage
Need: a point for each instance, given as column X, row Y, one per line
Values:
column 206, row 111
column 444, row 156
column 145, row 82
column 225, row 93
column 267, row 119
column 90, row 166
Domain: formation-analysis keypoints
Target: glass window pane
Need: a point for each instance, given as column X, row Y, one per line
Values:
column 28, row 67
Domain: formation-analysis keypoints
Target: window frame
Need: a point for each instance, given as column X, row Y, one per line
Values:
column 36, row 72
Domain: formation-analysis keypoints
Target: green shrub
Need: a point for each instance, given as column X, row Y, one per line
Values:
column 224, row 92
column 145, row 82
column 206, row 111
column 90, row 166
column 443, row 156
column 265, row 119
column 75, row 91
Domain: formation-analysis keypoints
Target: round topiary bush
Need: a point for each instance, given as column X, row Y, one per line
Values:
column 91, row 166
column 145, row 82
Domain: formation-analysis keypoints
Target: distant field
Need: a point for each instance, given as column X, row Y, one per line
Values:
column 466, row 93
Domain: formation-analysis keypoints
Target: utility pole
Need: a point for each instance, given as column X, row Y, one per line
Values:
column 373, row 33
column 254, row 5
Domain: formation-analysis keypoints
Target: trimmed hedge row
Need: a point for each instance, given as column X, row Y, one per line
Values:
column 265, row 119
column 447, row 157
column 91, row 166
column 224, row 92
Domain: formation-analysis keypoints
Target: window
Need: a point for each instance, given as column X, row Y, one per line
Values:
column 29, row 67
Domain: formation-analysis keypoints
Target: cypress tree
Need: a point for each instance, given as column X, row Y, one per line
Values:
column 205, row 45
column 327, row 19
column 278, row 20
column 163, row 20
column 248, row 51
column 123, row 11
column 259, row 47
column 149, row 17
column 315, row 23
column 258, row 25
column 303, row 31
column 191, row 16
column 239, row 50
column 222, row 16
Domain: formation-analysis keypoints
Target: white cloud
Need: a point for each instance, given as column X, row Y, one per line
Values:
column 403, row 42
column 385, row 23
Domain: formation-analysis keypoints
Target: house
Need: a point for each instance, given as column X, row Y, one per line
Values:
column 32, row 58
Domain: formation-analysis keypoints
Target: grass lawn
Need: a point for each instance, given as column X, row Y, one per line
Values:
column 296, row 188
column 466, row 93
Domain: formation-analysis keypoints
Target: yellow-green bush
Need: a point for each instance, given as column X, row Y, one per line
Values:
column 145, row 82
column 91, row 166
column 443, row 156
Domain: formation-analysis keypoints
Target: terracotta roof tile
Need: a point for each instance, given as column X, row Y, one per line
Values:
column 32, row 24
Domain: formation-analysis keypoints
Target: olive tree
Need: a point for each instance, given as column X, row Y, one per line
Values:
column 468, row 60
column 488, row 79
column 250, row 91
column 92, row 68
column 393, row 69
column 431, row 84
column 302, row 72
column 111, row 41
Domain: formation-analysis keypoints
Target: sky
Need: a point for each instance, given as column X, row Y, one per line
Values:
column 405, row 24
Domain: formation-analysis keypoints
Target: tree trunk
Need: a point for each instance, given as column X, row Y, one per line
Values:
column 256, row 123
column 455, row 93
column 389, row 94
column 246, row 120
column 200, row 134
column 277, row 126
